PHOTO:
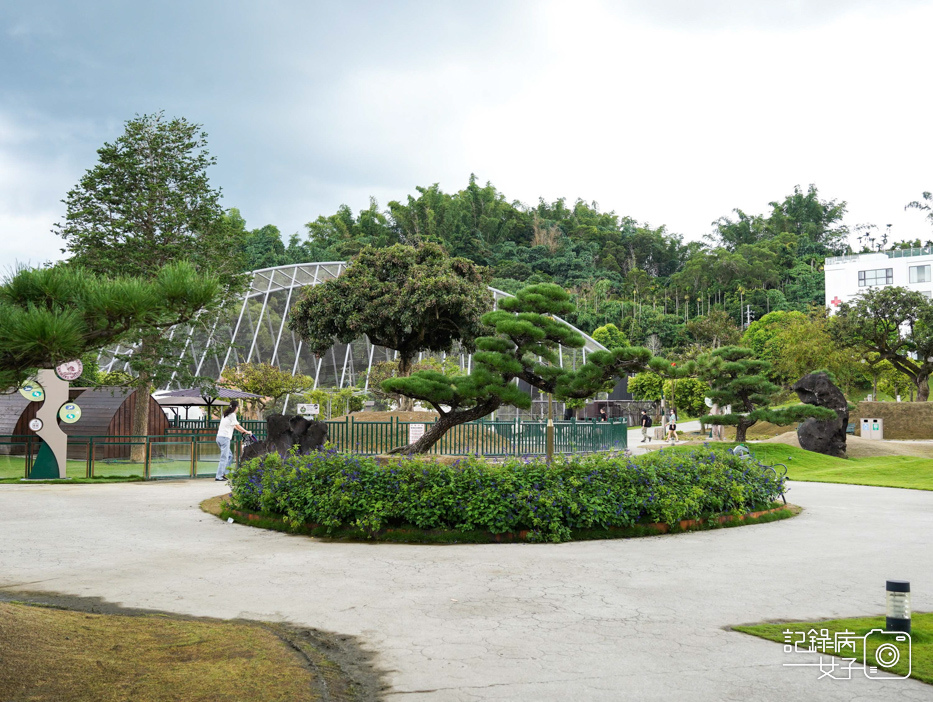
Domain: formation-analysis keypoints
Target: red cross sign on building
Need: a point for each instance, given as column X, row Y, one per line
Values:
column 835, row 302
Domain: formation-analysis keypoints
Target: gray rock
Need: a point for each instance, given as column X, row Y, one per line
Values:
column 283, row 433
column 827, row 437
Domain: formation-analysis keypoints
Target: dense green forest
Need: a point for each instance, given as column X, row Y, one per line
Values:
column 656, row 288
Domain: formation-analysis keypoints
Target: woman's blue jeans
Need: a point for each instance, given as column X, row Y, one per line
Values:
column 226, row 456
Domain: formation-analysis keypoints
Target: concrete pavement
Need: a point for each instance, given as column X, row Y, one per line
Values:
column 640, row 619
column 634, row 436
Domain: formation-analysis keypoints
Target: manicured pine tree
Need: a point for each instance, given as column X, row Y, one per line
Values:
column 524, row 347
column 739, row 379
column 52, row 315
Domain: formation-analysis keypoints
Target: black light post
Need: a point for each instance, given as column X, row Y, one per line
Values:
column 898, row 606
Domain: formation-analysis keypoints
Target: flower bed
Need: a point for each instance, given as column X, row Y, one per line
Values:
column 339, row 491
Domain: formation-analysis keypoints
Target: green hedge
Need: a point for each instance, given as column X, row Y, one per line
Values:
column 603, row 490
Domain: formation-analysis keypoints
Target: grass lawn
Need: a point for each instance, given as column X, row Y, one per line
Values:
column 12, row 469
column 921, row 640
column 55, row 654
column 808, row 466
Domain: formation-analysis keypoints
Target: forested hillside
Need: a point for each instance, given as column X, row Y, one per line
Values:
column 656, row 288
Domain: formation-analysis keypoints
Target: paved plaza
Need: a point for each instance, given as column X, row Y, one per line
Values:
column 639, row 619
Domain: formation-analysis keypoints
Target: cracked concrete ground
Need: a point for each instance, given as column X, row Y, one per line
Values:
column 641, row 619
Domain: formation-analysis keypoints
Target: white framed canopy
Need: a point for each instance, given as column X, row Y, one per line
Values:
column 255, row 330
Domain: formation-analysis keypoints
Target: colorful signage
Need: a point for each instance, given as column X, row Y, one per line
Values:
column 32, row 391
column 69, row 413
column 71, row 370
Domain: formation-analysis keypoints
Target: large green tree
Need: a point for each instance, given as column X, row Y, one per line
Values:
column 408, row 298
column 266, row 380
column 890, row 324
column 610, row 337
column 524, row 347
column 146, row 203
column 52, row 315
column 739, row 379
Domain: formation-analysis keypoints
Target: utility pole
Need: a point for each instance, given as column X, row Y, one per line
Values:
column 748, row 316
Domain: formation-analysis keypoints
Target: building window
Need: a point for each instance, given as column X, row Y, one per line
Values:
column 920, row 274
column 879, row 276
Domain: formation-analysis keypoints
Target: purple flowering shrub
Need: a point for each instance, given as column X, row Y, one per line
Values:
column 598, row 490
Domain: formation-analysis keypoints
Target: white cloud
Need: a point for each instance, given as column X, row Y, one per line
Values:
column 35, row 174
column 670, row 112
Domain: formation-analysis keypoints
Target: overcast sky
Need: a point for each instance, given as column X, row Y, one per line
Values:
column 673, row 112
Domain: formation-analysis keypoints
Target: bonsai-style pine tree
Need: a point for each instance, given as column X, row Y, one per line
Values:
column 523, row 346
column 739, row 379
column 52, row 315
column 407, row 298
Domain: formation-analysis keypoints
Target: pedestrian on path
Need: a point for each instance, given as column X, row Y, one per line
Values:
column 225, row 436
column 645, row 426
column 672, row 427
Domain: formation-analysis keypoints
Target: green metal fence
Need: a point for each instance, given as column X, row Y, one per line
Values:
column 487, row 437
column 191, row 451
column 190, row 455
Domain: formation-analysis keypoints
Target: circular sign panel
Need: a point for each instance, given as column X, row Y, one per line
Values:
column 69, row 413
column 32, row 391
column 35, row 424
column 71, row 370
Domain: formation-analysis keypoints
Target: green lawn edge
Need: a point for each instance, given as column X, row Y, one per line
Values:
column 921, row 638
column 903, row 472
column 413, row 535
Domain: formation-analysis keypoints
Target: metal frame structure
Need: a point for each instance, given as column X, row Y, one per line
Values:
column 256, row 332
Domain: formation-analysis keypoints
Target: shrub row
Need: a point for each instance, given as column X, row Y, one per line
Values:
column 602, row 490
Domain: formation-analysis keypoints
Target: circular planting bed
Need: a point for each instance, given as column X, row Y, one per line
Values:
column 330, row 494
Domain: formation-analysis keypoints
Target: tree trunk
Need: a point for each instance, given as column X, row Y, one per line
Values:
column 406, row 404
column 447, row 422
column 740, row 430
column 923, row 387
column 141, row 418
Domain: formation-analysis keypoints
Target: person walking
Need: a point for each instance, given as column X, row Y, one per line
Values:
column 672, row 427
column 645, row 426
column 225, row 436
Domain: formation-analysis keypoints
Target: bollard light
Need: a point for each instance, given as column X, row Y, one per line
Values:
column 898, row 606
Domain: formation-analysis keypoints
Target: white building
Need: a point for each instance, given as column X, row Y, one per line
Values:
column 847, row 276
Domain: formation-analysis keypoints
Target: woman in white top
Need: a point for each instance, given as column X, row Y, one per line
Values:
column 672, row 427
column 224, row 436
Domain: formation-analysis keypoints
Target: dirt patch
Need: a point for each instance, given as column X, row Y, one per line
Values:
column 761, row 430
column 857, row 447
column 902, row 420
column 58, row 647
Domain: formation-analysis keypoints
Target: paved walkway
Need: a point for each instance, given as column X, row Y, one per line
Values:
column 640, row 619
column 638, row 448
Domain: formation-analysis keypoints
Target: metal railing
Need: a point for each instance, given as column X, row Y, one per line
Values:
column 910, row 252
column 185, row 452
column 891, row 253
column 155, row 456
column 485, row 437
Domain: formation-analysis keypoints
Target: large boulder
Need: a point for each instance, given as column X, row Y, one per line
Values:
column 828, row 437
column 283, row 433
